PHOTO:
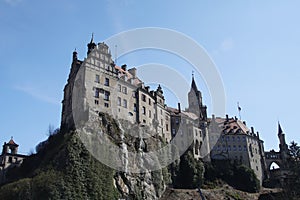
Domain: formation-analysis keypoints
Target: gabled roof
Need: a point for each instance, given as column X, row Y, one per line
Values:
column 231, row 126
column 12, row 142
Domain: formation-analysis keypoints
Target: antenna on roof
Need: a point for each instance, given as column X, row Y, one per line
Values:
column 116, row 53
column 239, row 110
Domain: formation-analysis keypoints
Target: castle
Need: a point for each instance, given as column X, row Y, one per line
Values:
column 97, row 85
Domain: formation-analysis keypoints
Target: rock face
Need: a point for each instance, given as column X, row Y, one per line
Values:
column 67, row 165
column 125, row 147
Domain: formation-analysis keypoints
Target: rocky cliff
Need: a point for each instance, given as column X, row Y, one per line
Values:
column 64, row 167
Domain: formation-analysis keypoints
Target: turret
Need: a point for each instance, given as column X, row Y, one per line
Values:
column 11, row 145
column 91, row 45
column 281, row 136
column 75, row 56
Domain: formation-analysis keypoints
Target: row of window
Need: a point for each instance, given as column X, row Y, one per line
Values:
column 143, row 97
column 233, row 138
column 228, row 148
column 234, row 148
column 106, row 80
column 105, row 103
column 122, row 103
column 99, row 91
column 122, row 89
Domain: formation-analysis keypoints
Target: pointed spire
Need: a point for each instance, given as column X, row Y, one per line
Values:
column 280, row 132
column 193, row 85
column 91, row 45
column 92, row 39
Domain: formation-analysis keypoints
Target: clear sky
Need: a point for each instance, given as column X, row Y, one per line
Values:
column 255, row 45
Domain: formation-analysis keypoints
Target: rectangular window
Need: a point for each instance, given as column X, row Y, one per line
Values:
column 106, row 105
column 124, row 90
column 97, row 78
column 149, row 101
column 106, row 95
column 134, row 107
column 96, row 102
column 144, row 110
column 161, row 122
column 167, row 127
column 97, row 92
column 150, row 113
column 143, row 97
column 119, row 101
column 134, row 94
column 119, row 87
column 173, row 131
column 106, row 82
column 124, row 103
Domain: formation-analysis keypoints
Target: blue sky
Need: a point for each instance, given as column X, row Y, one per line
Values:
column 254, row 44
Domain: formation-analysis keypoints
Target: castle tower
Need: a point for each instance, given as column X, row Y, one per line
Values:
column 67, row 121
column 12, row 146
column 195, row 102
column 9, row 158
column 283, row 147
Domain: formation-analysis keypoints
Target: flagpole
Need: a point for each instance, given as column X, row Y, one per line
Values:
column 239, row 109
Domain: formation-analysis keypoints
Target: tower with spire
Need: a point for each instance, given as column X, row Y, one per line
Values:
column 197, row 107
column 283, row 147
column 9, row 158
column 195, row 101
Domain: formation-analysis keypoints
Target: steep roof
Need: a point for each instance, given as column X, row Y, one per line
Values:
column 231, row 126
column 193, row 85
column 280, row 132
column 12, row 142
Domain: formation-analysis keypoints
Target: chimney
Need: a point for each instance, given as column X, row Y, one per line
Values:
column 213, row 116
column 147, row 88
column 124, row 67
column 227, row 118
column 132, row 71
column 244, row 122
column 252, row 129
column 179, row 109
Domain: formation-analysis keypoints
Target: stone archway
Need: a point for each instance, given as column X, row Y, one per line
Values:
column 274, row 166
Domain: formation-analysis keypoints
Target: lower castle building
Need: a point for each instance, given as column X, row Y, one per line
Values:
column 9, row 158
column 232, row 140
